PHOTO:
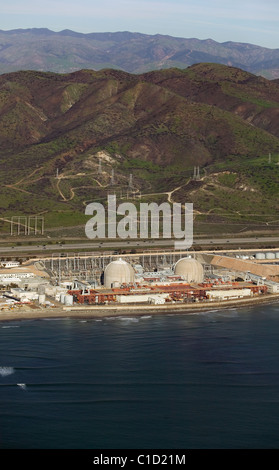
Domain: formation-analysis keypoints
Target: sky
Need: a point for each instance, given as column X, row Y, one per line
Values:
column 248, row 21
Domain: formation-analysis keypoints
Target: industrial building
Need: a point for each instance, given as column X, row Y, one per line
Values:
column 14, row 276
column 189, row 269
column 143, row 278
column 118, row 272
column 10, row 264
column 185, row 281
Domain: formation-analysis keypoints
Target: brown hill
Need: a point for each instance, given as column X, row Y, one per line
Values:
column 157, row 126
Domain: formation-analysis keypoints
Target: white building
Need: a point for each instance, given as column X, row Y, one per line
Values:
column 272, row 287
column 24, row 295
column 190, row 270
column 142, row 298
column 14, row 276
column 228, row 294
column 10, row 264
column 118, row 272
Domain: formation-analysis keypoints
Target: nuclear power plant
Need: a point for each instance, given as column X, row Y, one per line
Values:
column 88, row 280
column 117, row 273
column 166, row 278
column 190, row 270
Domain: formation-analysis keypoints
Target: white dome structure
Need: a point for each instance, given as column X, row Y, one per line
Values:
column 118, row 272
column 189, row 269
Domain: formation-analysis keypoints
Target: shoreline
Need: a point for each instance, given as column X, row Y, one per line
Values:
column 81, row 312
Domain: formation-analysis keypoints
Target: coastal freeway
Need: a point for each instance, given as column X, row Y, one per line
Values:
column 130, row 244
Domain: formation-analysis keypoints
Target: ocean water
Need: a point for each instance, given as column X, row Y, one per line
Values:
column 196, row 381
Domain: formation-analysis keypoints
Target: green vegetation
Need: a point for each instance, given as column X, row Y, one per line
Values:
column 135, row 163
column 227, row 179
column 71, row 95
column 156, row 127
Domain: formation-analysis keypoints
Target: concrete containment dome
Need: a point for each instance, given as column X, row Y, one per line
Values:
column 189, row 269
column 118, row 272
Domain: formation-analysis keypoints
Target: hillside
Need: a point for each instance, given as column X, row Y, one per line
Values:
column 68, row 51
column 69, row 139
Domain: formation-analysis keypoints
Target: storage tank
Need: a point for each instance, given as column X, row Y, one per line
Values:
column 118, row 272
column 189, row 269
column 69, row 299
column 41, row 289
column 270, row 255
column 42, row 298
column 260, row 256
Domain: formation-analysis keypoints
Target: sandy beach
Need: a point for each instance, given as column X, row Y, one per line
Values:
column 97, row 311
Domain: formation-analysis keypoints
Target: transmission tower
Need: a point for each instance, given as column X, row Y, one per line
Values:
column 27, row 224
column 100, row 167
column 196, row 175
column 112, row 179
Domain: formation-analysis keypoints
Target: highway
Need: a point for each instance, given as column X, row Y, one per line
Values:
column 148, row 244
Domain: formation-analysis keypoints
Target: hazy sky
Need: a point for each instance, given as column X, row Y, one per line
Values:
column 252, row 21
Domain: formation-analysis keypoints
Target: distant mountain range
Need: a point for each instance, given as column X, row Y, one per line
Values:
column 69, row 51
column 62, row 136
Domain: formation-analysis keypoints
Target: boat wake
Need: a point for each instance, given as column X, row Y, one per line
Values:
column 22, row 386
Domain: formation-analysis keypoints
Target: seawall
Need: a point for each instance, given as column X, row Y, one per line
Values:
column 97, row 311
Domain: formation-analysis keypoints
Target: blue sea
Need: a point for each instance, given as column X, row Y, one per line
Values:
column 205, row 380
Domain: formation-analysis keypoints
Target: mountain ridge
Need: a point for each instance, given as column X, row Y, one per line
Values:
column 67, row 51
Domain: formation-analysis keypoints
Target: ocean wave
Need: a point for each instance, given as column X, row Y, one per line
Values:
column 206, row 312
column 10, row 326
column 54, row 319
column 4, row 371
column 129, row 319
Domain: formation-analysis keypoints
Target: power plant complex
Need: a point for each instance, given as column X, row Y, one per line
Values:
column 88, row 280
column 185, row 282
